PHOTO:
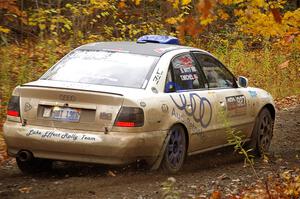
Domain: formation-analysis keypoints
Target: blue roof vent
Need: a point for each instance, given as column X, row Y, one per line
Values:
column 158, row 39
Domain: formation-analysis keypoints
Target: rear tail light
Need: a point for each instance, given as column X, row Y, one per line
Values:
column 13, row 108
column 130, row 117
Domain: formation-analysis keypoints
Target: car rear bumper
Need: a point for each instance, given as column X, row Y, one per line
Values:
column 83, row 146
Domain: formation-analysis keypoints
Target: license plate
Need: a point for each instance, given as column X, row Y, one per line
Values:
column 65, row 114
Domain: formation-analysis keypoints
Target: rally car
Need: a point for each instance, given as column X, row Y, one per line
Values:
column 118, row 102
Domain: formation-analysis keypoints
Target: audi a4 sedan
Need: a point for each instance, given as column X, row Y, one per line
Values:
column 118, row 102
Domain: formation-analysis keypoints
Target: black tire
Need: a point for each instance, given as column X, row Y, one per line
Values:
column 175, row 151
column 34, row 165
column 262, row 133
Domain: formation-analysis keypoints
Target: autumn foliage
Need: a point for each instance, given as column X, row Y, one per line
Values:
column 128, row 19
column 258, row 39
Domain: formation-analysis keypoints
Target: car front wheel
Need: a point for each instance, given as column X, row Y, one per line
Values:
column 262, row 133
column 175, row 151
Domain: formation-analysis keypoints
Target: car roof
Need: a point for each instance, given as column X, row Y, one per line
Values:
column 144, row 48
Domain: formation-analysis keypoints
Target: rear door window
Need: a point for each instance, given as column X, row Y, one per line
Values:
column 184, row 74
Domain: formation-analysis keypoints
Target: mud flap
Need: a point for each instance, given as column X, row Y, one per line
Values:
column 160, row 157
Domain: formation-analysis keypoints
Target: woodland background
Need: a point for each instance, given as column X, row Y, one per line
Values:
column 259, row 39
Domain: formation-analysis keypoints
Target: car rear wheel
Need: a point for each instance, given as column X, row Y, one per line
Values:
column 34, row 165
column 262, row 133
column 175, row 151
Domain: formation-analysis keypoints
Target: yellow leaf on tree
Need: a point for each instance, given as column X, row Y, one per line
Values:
column 171, row 20
column 222, row 14
column 4, row 30
column 137, row 2
column 186, row 2
column 206, row 21
column 122, row 4
column 52, row 27
column 42, row 26
column 175, row 3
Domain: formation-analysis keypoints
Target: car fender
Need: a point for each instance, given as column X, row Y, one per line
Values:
column 262, row 99
column 160, row 157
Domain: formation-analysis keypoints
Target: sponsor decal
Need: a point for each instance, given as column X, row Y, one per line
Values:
column 198, row 107
column 105, row 116
column 164, row 108
column 185, row 68
column 185, row 61
column 27, row 107
column 157, row 76
column 55, row 135
column 236, row 105
column 252, row 93
column 188, row 121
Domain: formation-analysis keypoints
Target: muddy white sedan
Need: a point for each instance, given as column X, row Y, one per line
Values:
column 118, row 102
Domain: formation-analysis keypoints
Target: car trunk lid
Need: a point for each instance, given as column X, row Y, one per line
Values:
column 69, row 106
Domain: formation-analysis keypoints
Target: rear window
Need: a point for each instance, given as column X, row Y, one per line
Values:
column 103, row 68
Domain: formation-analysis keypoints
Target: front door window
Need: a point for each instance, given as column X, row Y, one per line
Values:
column 216, row 74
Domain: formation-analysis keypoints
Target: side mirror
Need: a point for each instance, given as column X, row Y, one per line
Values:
column 243, row 81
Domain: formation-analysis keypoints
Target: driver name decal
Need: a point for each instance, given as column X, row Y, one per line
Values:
column 188, row 77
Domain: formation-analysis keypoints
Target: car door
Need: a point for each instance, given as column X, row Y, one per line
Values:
column 193, row 104
column 234, row 102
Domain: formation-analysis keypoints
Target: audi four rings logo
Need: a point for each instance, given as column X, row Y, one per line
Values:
column 67, row 97
column 201, row 104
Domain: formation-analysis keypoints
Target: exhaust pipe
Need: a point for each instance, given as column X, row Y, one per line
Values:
column 25, row 156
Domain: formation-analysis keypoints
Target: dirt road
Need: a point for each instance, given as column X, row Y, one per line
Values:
column 201, row 175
